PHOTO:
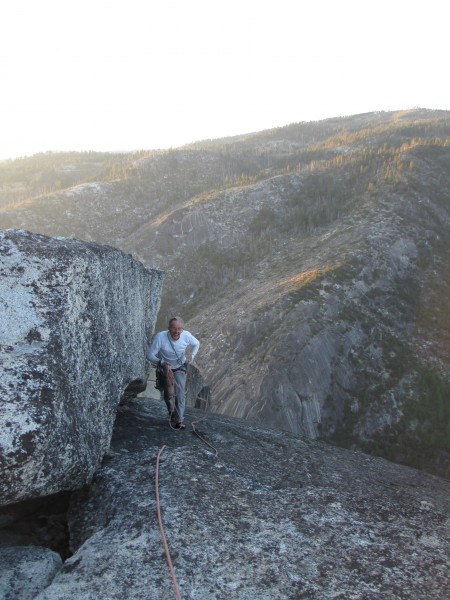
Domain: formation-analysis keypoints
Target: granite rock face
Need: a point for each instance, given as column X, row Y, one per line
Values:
column 26, row 570
column 342, row 335
column 76, row 318
column 254, row 514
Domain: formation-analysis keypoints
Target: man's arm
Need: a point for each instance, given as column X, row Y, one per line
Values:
column 153, row 350
column 195, row 345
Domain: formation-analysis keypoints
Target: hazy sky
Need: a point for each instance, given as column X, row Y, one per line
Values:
column 145, row 74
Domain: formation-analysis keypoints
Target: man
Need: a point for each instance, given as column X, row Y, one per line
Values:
column 168, row 351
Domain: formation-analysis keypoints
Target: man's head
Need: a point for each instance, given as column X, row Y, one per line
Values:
column 176, row 327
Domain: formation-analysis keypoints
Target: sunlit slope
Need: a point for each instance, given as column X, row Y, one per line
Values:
column 313, row 261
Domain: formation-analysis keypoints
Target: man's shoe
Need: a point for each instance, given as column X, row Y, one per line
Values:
column 180, row 426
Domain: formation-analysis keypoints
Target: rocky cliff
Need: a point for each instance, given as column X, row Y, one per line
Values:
column 343, row 333
column 76, row 319
column 252, row 513
column 100, row 495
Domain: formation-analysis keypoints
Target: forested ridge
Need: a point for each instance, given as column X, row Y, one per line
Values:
column 324, row 242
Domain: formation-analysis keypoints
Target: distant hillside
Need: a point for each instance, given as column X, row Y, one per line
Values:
column 313, row 261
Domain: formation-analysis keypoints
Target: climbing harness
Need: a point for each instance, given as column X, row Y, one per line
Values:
column 179, row 361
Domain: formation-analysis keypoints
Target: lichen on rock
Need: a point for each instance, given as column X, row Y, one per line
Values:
column 76, row 318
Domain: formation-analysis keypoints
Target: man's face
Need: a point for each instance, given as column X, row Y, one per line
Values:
column 175, row 330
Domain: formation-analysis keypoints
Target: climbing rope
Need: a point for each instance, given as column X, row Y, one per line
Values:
column 194, row 430
column 161, row 528
column 172, row 383
column 194, row 423
column 171, row 387
column 216, row 453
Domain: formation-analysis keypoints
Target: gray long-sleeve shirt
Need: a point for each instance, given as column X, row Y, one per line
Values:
column 172, row 351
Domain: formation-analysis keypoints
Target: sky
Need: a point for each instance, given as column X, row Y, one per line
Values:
column 125, row 75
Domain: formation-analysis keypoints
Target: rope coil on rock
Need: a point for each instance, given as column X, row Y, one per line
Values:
column 172, row 385
column 195, row 432
column 194, row 423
